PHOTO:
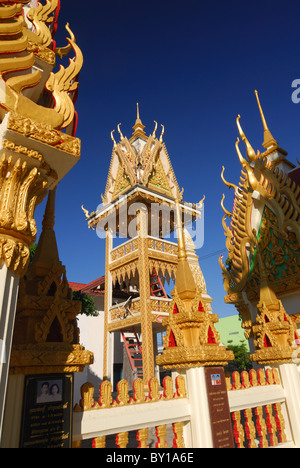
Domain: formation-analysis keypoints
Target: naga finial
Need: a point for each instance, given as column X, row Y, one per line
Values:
column 64, row 51
column 250, row 151
column 227, row 213
column 241, row 158
column 162, row 134
column 154, row 133
column 87, row 214
column 119, row 130
column 228, row 184
column 112, row 137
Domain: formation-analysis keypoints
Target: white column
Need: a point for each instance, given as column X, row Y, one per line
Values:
column 291, row 383
column 201, row 434
column 9, row 288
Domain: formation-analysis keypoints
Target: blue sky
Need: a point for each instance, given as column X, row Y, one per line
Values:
column 193, row 66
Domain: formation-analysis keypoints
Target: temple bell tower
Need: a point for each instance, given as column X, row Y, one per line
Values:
column 139, row 206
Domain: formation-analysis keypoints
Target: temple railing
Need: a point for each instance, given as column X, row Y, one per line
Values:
column 159, row 305
column 160, row 410
column 163, row 418
column 258, row 409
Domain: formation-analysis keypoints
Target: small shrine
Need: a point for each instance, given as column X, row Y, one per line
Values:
column 46, row 336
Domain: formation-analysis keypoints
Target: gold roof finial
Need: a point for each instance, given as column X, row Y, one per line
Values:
column 250, row 151
column 138, row 126
column 185, row 283
column 269, row 140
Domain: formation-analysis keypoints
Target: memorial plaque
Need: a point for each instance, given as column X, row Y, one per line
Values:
column 219, row 407
column 47, row 411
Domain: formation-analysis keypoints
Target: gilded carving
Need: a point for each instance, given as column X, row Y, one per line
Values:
column 138, row 391
column 261, row 427
column 153, row 390
column 139, row 161
column 274, row 329
column 48, row 358
column 238, row 430
column 9, row 145
column 123, row 396
column 105, row 399
column 161, row 434
column 142, row 438
column 278, row 193
column 99, row 442
column 21, row 189
column 178, row 433
column 250, row 428
column 17, row 58
column 41, row 16
column 122, row 440
column 43, row 132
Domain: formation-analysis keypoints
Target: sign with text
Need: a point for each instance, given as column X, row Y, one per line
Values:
column 219, row 407
column 47, row 411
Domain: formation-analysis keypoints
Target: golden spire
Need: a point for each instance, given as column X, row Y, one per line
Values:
column 47, row 252
column 268, row 137
column 138, row 126
column 185, row 283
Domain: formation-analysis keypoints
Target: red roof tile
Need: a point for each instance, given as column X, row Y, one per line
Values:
column 76, row 286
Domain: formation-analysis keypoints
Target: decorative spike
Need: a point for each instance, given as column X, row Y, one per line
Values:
column 269, row 140
column 250, row 151
column 224, row 209
column 228, row 184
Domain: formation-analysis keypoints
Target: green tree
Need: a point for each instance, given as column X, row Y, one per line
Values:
column 88, row 303
column 32, row 249
column 242, row 359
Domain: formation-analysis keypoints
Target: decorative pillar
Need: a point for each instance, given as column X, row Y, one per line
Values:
column 108, row 348
column 145, row 305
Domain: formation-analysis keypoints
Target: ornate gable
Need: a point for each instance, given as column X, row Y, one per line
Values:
column 142, row 160
column 265, row 194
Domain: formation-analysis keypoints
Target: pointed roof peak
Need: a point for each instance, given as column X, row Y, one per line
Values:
column 47, row 252
column 269, row 140
column 185, row 283
column 138, row 126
